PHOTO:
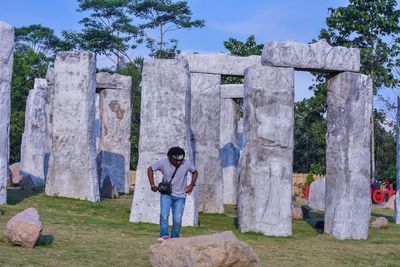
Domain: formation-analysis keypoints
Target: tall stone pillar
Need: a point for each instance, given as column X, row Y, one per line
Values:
column 347, row 198
column 265, row 176
column 34, row 148
column 115, row 124
column 72, row 167
column 205, row 104
column 164, row 123
column 6, row 66
column 229, row 152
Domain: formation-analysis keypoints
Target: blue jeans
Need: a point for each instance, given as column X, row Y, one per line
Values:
column 177, row 204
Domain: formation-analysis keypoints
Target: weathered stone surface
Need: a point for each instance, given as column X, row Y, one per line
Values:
column 97, row 126
column 347, row 194
column 72, row 167
column 24, row 228
column 220, row 249
column 165, row 120
column 205, row 120
column 390, row 203
column 6, row 65
column 49, row 103
column 319, row 56
column 27, row 183
column 317, row 194
column 115, row 124
column 229, row 152
column 105, row 80
column 265, row 176
column 15, row 175
column 35, row 139
column 380, row 222
column 220, row 63
column 297, row 213
column 232, row 91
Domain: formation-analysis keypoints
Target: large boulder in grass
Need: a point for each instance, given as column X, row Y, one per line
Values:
column 220, row 249
column 24, row 228
column 15, row 176
column 380, row 222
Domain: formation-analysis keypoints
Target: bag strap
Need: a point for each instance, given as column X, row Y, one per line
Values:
column 173, row 175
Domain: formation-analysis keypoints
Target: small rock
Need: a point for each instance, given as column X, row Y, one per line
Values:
column 380, row 222
column 390, row 203
column 297, row 213
column 15, row 176
column 220, row 249
column 27, row 183
column 306, row 211
column 24, row 228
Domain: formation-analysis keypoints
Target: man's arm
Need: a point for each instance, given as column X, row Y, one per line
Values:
column 150, row 175
column 189, row 188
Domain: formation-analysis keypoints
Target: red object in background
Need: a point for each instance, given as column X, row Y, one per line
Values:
column 378, row 196
column 305, row 191
column 390, row 193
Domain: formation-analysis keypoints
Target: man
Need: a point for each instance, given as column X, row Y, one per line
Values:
column 175, row 169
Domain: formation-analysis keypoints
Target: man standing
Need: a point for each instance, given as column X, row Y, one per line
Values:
column 174, row 169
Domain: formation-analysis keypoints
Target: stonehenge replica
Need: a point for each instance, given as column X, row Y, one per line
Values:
column 76, row 140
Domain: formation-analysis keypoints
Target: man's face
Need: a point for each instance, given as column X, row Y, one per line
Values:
column 175, row 162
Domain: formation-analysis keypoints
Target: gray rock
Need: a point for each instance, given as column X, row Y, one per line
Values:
column 219, row 63
column 205, row 120
column 317, row 194
column 231, row 90
column 6, row 65
column 72, row 167
column 297, row 213
column 27, row 183
column 380, row 222
column 319, row 56
column 106, row 80
column 115, row 120
column 24, row 228
column 165, row 122
column 347, row 199
column 49, row 103
column 35, row 139
column 229, row 152
column 220, row 249
column 15, row 175
column 265, row 177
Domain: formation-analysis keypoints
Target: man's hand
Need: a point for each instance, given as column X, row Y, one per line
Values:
column 154, row 188
column 189, row 189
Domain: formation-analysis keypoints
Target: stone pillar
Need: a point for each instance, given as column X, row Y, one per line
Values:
column 97, row 122
column 6, row 66
column 347, row 199
column 49, row 103
column 229, row 152
column 34, row 148
column 205, row 104
column 72, row 167
column 164, row 123
column 115, row 124
column 265, row 176
column 317, row 195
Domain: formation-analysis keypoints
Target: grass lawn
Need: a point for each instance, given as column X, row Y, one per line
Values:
column 80, row 233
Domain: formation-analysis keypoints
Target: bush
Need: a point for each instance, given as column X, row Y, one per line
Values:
column 309, row 178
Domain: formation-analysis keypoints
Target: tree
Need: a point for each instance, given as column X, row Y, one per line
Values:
column 238, row 48
column 39, row 38
column 164, row 16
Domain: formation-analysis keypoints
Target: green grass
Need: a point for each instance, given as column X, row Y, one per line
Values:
column 80, row 233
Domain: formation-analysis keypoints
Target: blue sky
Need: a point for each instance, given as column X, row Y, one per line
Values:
column 299, row 20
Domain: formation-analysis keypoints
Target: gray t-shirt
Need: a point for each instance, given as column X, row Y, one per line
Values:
column 179, row 183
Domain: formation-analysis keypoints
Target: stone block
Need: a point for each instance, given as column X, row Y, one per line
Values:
column 105, row 80
column 232, row 91
column 317, row 194
column 6, row 66
column 165, row 122
column 319, row 56
column 220, row 63
column 72, row 167
column 347, row 194
column 205, row 120
column 266, row 162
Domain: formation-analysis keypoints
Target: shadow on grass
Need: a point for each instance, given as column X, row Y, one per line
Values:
column 316, row 220
column 17, row 195
column 45, row 240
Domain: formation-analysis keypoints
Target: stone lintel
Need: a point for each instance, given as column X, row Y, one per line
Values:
column 232, row 91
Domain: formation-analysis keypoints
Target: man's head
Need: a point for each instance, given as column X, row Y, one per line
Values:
column 176, row 155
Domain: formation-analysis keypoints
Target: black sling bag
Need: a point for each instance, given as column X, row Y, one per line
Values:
column 165, row 187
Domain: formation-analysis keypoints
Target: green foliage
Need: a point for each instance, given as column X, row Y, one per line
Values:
column 164, row 16
column 238, row 48
column 309, row 178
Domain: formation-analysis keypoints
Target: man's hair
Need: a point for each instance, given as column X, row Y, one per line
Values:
column 176, row 153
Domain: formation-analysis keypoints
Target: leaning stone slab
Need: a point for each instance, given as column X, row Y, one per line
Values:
column 317, row 194
column 24, row 229
column 6, row 65
column 165, row 122
column 115, row 125
column 35, row 139
column 205, row 120
column 220, row 63
column 348, row 199
column 232, row 91
column 319, row 56
column 220, row 249
column 72, row 167
column 229, row 152
column 265, row 176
